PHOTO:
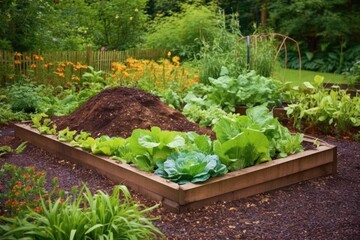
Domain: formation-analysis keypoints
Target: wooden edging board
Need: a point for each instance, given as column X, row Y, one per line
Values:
column 179, row 198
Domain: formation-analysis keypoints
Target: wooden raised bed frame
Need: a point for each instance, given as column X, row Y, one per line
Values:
column 179, row 198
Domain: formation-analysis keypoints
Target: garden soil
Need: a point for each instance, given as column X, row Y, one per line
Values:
column 321, row 208
column 118, row 111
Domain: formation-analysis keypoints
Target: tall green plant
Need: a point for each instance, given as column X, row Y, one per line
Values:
column 88, row 216
column 184, row 32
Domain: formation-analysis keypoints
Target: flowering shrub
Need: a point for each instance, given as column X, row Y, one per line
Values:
column 36, row 68
column 152, row 75
column 23, row 187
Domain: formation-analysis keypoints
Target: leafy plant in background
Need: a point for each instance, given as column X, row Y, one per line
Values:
column 190, row 166
column 183, row 33
column 87, row 216
column 353, row 76
column 223, row 94
column 225, row 49
column 7, row 114
column 324, row 108
column 22, row 96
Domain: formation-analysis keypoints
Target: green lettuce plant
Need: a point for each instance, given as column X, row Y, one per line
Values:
column 151, row 146
column 258, row 137
column 190, row 166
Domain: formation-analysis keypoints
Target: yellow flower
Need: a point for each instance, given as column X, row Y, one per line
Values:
column 169, row 54
column 176, row 60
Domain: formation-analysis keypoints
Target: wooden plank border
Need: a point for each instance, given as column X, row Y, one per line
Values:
column 179, row 198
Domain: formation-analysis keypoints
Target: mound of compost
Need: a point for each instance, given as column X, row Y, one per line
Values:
column 118, row 111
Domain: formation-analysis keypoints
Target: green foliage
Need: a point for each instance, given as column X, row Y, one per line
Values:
column 272, row 139
column 183, row 33
column 109, row 146
column 7, row 149
column 43, row 124
column 66, row 135
column 229, row 48
column 324, row 108
column 207, row 103
column 282, row 142
column 150, row 146
column 7, row 114
column 23, row 96
column 72, row 26
column 190, row 166
column 327, row 31
column 247, row 148
column 225, row 49
column 121, row 23
column 88, row 216
column 353, row 76
column 22, row 21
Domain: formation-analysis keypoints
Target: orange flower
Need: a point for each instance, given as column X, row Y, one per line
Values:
column 38, row 209
column 17, row 62
column 59, row 69
column 33, row 65
column 125, row 74
column 36, row 57
column 27, row 57
column 60, row 75
column 18, row 54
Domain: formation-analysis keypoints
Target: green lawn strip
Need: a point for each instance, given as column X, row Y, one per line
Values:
column 297, row 77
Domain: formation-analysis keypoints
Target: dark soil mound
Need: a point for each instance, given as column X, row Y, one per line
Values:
column 118, row 111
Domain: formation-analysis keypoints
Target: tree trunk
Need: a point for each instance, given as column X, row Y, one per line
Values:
column 263, row 12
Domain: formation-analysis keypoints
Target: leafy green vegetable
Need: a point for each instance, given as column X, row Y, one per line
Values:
column 148, row 147
column 190, row 166
column 66, row 135
column 248, row 148
column 107, row 145
column 44, row 126
column 280, row 142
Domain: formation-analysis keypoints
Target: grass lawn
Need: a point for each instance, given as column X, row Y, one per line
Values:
column 297, row 77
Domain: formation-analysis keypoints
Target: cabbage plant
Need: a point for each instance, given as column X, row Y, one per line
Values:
column 190, row 166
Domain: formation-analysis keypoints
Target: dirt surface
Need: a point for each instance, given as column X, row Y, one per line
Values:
column 118, row 111
column 322, row 208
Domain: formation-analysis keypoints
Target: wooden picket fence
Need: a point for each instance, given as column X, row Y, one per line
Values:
column 40, row 65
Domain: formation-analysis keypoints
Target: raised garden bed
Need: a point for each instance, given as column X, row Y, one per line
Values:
column 352, row 89
column 278, row 112
column 179, row 198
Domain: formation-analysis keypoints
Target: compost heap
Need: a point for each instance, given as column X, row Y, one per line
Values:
column 118, row 111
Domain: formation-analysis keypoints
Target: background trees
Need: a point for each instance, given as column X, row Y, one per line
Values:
column 328, row 31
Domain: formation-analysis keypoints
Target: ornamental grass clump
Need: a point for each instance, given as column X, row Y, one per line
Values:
column 88, row 216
